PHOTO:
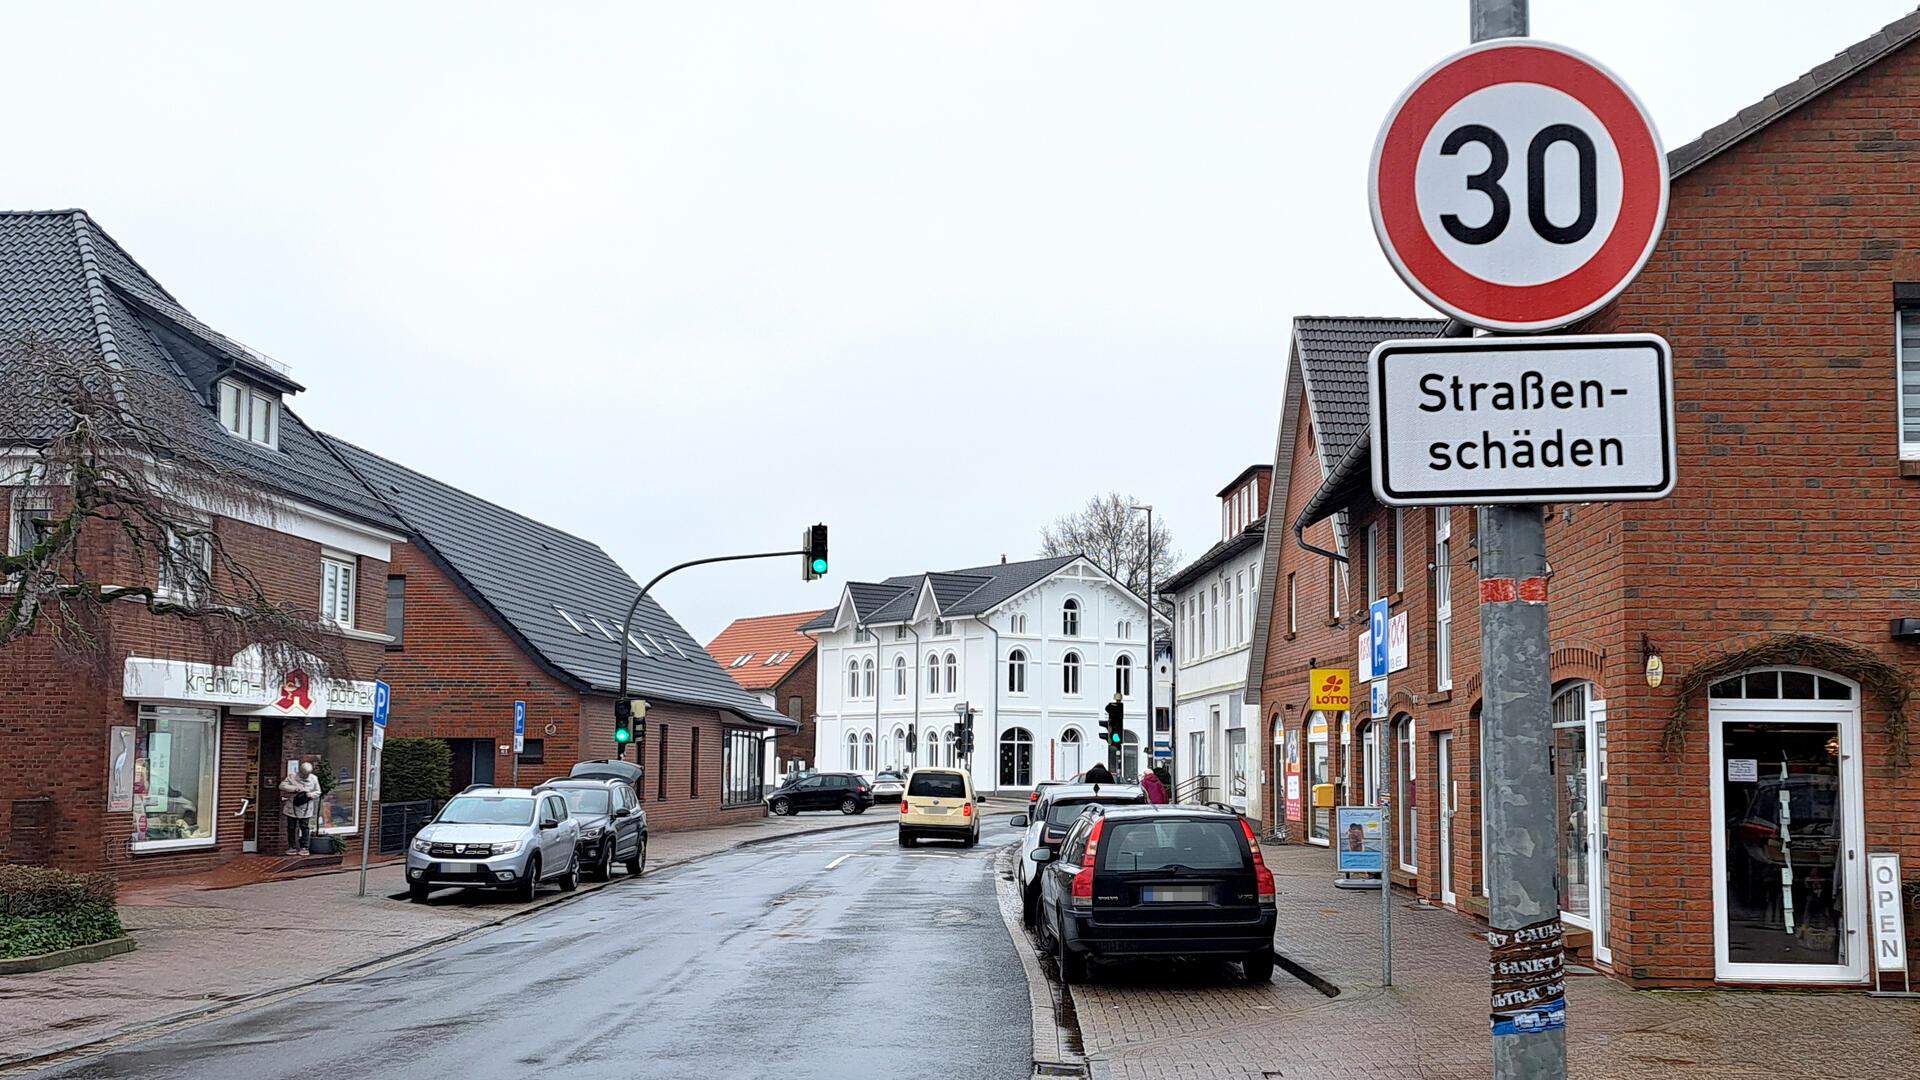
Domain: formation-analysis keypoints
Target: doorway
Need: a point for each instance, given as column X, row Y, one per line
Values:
column 473, row 763
column 1579, row 758
column 250, row 804
column 1016, row 758
column 1787, row 831
column 1319, row 774
column 1449, row 801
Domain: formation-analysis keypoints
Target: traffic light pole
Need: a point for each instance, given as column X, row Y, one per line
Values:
column 626, row 625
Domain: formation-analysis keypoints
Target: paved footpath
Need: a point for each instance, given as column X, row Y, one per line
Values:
column 205, row 949
column 1204, row 1023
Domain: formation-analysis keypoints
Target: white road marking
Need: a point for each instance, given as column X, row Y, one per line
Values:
column 842, row 859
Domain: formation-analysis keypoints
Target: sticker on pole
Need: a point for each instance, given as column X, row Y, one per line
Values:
column 1587, row 418
column 1518, row 186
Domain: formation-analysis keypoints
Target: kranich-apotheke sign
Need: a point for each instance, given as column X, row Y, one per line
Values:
column 1514, row 420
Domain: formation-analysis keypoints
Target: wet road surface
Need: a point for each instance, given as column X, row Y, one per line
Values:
column 829, row 956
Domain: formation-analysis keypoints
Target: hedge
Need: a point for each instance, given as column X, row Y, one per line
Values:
column 44, row 910
column 415, row 769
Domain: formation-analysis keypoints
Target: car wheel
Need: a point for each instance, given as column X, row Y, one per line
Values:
column 524, row 890
column 570, row 880
column 974, row 836
column 780, row 807
column 605, row 870
column 906, row 838
column 1259, row 967
column 638, row 863
column 1073, row 965
column 1029, row 908
column 418, row 893
column 849, row 806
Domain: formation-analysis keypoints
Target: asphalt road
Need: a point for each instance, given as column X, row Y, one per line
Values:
column 833, row 956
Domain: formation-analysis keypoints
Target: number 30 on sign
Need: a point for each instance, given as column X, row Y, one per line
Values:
column 1518, row 186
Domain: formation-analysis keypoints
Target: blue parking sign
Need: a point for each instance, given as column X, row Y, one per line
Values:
column 382, row 693
column 519, row 727
column 1377, row 626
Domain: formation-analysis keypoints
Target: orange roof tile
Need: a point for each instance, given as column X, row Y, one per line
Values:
column 761, row 638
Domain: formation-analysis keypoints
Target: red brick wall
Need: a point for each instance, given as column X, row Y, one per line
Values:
column 800, row 683
column 54, row 714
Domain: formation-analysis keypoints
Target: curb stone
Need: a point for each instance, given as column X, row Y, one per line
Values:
column 1053, row 1053
column 13, row 1064
column 59, row 958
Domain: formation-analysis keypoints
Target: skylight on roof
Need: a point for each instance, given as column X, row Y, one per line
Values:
column 777, row 657
column 635, row 642
column 600, row 626
column 569, row 618
column 741, row 660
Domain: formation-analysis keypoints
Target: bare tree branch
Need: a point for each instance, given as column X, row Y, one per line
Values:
column 1114, row 537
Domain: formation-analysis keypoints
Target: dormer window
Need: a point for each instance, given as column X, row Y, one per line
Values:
column 250, row 413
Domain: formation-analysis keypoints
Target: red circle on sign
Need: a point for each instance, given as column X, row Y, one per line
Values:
column 1465, row 295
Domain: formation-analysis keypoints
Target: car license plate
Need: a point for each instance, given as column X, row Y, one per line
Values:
column 936, row 810
column 1173, row 894
column 458, row 869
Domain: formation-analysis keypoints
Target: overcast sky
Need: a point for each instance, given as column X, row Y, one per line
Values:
column 683, row 278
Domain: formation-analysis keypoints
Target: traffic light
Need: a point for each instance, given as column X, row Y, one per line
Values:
column 627, row 715
column 813, row 553
column 912, row 742
column 966, row 733
column 1112, row 728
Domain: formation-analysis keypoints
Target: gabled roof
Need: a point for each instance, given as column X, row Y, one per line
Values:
column 64, row 280
column 1332, row 352
column 959, row 593
column 1245, row 539
column 760, row 650
column 1256, row 467
column 561, row 597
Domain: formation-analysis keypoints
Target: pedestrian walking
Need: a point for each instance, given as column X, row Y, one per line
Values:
column 1166, row 780
column 1156, row 789
column 299, row 803
column 1098, row 775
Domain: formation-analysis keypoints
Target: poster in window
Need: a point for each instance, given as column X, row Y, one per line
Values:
column 120, row 755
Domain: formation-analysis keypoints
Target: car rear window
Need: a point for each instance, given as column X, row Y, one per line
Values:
column 938, row 785
column 588, row 800
column 1160, row 845
column 1062, row 812
column 487, row 810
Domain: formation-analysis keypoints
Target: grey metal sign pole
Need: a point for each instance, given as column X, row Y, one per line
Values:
column 1525, row 936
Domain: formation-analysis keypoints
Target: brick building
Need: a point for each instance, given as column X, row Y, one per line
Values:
column 489, row 607
column 769, row 656
column 1713, row 828
column 167, row 757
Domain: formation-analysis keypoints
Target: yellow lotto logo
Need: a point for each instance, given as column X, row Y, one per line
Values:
column 1332, row 689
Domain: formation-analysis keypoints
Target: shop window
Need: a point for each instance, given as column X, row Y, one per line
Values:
column 741, row 753
column 333, row 745
column 175, row 777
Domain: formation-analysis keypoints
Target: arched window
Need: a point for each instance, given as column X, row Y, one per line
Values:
column 953, row 673
column 933, row 673
column 853, row 750
column 1017, row 671
column 866, row 678
column 1130, row 755
column 853, row 678
column 1017, row 624
column 1016, row 758
column 896, row 747
column 866, row 751
column 1123, row 675
column 1071, row 746
column 953, row 747
column 1070, row 673
column 1070, row 618
column 899, row 676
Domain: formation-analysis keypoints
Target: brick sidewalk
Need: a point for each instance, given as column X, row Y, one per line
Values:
column 201, row 949
column 1204, row 1023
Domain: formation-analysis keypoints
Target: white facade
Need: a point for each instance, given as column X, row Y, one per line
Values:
column 1037, row 668
column 1216, row 751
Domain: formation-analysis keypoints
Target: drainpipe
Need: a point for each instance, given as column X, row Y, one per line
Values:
column 876, row 696
column 993, row 668
column 919, row 733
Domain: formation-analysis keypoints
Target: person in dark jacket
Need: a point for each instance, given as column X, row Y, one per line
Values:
column 1098, row 775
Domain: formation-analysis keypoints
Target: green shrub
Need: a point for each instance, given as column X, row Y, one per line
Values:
column 415, row 769
column 44, row 910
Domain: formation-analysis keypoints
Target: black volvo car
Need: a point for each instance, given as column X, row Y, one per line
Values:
column 1157, row 881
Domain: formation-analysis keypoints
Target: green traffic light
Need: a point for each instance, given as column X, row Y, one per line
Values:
column 819, row 566
column 622, row 735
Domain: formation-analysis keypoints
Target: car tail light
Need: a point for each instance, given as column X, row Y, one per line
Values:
column 1083, row 881
column 858, row 790
column 1262, row 877
column 903, row 806
column 1034, row 797
column 966, row 810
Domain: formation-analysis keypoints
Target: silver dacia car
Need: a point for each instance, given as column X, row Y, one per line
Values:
column 496, row 838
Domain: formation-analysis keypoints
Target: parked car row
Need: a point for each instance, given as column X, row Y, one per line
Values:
column 517, row 839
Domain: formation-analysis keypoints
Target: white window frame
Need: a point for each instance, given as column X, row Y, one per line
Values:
column 900, row 675
column 25, row 498
column 867, row 687
column 933, row 673
column 248, row 400
column 1399, row 549
column 1373, row 561
column 1442, row 598
column 853, row 678
column 1293, row 604
column 1907, row 434
column 1017, row 672
column 1123, row 675
column 1070, row 674
column 1070, row 617
column 952, row 664
column 178, row 591
column 347, row 568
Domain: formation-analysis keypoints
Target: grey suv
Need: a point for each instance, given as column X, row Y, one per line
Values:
column 496, row 838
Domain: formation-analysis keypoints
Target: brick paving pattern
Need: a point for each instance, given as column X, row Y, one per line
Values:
column 201, row 947
column 1204, row 1023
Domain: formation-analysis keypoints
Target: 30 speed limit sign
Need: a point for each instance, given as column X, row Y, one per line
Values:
column 1518, row 185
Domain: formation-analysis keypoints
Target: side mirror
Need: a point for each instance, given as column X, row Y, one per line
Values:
column 1018, row 821
column 550, row 823
column 622, row 812
column 1041, row 855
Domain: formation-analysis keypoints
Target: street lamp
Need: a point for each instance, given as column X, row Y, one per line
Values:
column 1153, row 658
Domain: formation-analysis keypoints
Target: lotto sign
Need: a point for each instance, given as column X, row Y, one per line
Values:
column 1332, row 689
column 1518, row 186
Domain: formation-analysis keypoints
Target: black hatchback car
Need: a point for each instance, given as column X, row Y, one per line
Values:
column 1157, row 881
column 613, row 824
column 846, row 792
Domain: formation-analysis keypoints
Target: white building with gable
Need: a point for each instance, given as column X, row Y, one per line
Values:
column 1035, row 649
